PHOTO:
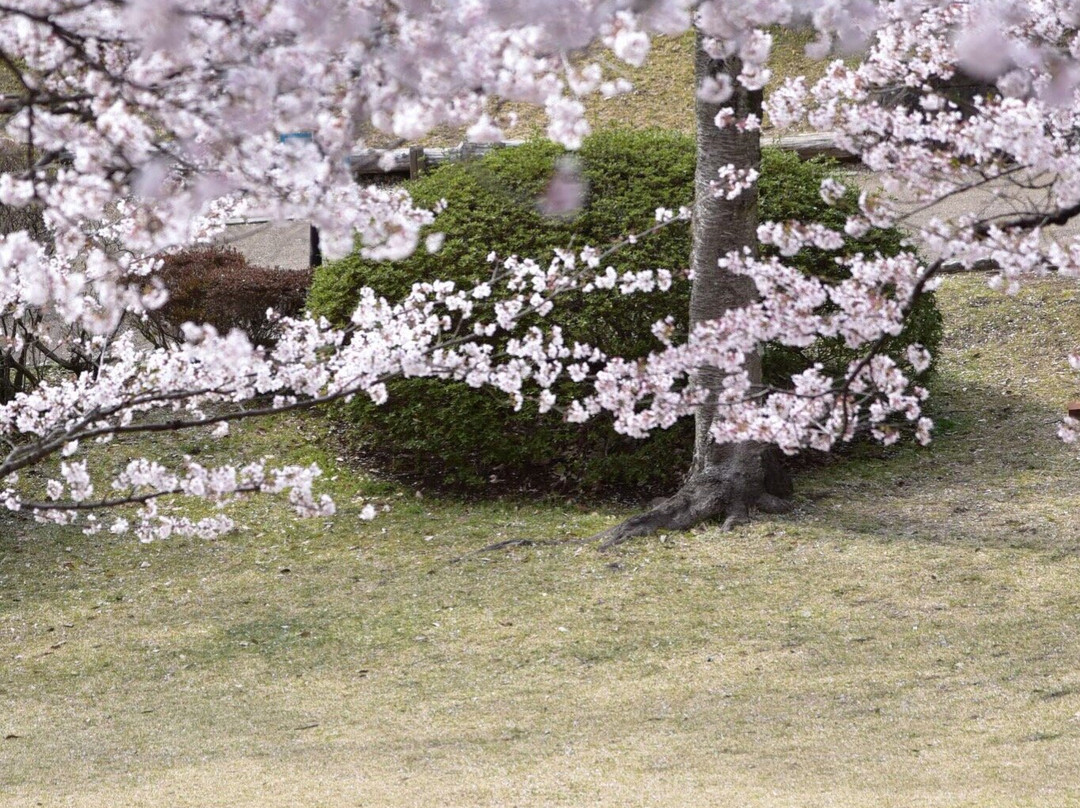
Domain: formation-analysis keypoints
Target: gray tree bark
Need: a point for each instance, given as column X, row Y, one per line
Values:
column 725, row 480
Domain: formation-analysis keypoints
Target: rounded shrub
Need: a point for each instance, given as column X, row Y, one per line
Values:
column 451, row 434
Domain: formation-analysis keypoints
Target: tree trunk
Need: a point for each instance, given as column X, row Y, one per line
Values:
column 725, row 479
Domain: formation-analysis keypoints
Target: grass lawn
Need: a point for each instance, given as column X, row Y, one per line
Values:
column 910, row 636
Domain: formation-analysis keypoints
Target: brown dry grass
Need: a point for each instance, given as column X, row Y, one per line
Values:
column 663, row 94
column 9, row 81
column 911, row 636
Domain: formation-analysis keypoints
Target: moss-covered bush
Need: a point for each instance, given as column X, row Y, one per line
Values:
column 460, row 436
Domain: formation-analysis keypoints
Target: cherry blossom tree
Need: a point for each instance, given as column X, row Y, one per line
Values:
column 146, row 123
column 725, row 479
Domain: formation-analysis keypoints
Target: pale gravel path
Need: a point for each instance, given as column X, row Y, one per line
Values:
column 283, row 244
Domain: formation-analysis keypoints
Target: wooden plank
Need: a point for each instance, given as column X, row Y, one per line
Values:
column 408, row 161
column 811, row 144
column 402, row 161
column 380, row 161
column 416, row 162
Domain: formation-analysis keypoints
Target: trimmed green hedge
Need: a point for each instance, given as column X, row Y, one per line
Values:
column 459, row 436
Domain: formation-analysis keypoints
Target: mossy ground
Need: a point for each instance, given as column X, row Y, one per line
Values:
column 910, row 636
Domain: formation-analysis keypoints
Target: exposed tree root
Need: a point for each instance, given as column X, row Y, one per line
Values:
column 738, row 478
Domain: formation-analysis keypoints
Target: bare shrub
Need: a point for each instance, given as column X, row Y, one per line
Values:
column 217, row 286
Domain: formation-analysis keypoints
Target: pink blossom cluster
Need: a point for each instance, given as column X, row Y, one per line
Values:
column 816, row 412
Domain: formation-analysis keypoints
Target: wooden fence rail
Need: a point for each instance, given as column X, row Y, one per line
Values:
column 413, row 161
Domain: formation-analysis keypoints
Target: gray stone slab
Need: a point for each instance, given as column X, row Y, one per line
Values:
column 272, row 244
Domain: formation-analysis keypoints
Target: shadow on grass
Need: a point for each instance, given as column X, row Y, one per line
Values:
column 995, row 475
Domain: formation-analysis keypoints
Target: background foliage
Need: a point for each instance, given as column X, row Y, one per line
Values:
column 20, row 363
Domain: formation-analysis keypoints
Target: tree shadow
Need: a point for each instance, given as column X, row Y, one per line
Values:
column 995, row 475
